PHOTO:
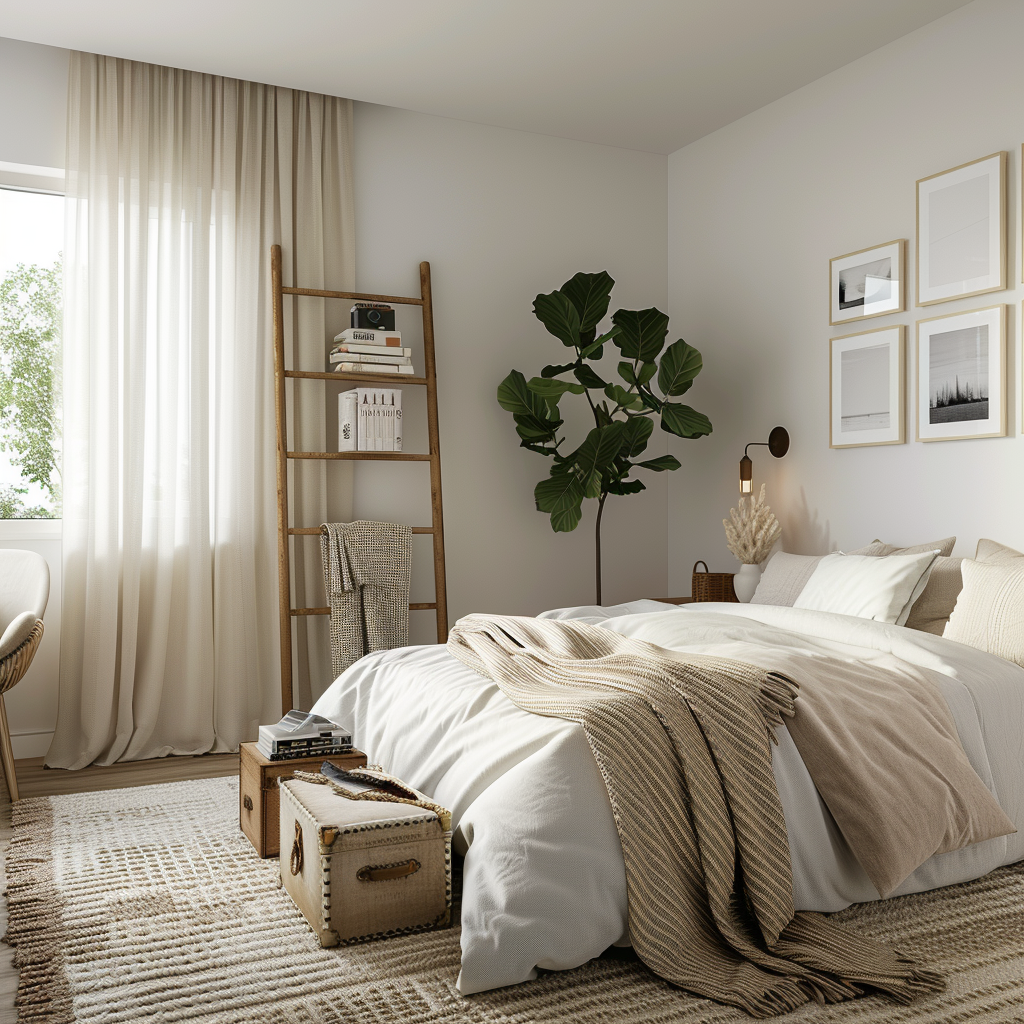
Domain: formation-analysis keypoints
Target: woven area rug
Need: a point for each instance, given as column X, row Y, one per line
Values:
column 150, row 904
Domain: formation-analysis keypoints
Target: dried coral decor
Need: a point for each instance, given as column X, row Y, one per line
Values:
column 285, row 530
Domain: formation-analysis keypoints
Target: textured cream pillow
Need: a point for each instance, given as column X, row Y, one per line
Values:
column 784, row 577
column 868, row 586
column 989, row 613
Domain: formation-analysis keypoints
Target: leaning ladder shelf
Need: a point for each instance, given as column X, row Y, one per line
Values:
column 284, row 528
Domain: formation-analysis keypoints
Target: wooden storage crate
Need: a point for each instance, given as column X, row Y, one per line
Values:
column 259, row 800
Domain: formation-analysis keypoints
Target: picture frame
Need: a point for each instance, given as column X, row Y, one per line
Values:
column 868, row 283
column 960, row 363
column 961, row 231
column 867, row 388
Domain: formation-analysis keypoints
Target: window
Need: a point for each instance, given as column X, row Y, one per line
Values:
column 31, row 239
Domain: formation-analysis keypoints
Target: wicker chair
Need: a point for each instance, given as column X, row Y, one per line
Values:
column 24, row 591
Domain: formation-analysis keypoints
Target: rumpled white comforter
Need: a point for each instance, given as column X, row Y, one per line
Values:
column 544, row 883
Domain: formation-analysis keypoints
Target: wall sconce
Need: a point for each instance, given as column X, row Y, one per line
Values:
column 777, row 444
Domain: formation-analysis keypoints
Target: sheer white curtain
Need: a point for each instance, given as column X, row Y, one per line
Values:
column 177, row 185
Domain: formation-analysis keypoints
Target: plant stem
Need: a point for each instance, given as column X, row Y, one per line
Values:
column 597, row 537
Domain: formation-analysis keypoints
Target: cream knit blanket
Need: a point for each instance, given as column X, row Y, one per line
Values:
column 684, row 745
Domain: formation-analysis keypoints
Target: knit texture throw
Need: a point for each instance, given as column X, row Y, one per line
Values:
column 366, row 574
column 684, row 745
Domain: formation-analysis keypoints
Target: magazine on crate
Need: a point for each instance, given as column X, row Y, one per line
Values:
column 299, row 734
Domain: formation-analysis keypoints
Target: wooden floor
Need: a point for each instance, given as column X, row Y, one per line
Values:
column 35, row 780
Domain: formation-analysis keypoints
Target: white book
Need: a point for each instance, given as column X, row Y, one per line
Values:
column 348, row 421
column 365, row 429
column 338, row 356
column 370, row 350
column 372, row 368
column 388, row 414
column 388, row 339
column 378, row 425
column 396, row 398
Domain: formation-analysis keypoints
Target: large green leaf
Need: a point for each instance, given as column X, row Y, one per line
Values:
column 559, row 316
column 588, row 378
column 599, row 449
column 566, row 520
column 515, row 396
column 558, row 492
column 635, row 435
column 679, row 365
column 534, row 428
column 661, row 464
column 553, row 389
column 642, row 333
column 647, row 371
column 683, row 421
column 590, row 295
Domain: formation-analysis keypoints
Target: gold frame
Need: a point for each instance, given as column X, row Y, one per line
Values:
column 901, row 389
column 901, row 258
column 917, row 374
column 1001, row 287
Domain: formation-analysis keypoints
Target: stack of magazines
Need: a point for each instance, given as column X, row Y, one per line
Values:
column 300, row 734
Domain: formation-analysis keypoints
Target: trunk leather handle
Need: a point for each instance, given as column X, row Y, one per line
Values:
column 388, row 871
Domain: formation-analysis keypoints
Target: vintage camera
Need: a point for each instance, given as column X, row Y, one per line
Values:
column 373, row 318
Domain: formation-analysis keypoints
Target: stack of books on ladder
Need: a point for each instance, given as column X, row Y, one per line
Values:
column 371, row 344
column 370, row 420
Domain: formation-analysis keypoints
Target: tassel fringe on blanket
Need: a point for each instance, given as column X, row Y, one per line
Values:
column 683, row 743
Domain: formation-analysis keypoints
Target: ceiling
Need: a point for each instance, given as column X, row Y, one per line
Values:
column 642, row 74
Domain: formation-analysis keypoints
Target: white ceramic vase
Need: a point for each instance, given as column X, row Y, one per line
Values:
column 745, row 582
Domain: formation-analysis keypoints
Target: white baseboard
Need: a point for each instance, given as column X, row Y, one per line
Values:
column 30, row 744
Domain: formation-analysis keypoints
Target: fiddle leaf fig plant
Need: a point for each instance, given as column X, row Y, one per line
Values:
column 623, row 410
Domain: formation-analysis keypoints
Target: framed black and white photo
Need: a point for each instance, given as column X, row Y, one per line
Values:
column 961, row 375
column 866, row 404
column 961, row 231
column 868, row 283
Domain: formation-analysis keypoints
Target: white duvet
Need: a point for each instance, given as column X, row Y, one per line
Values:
column 544, row 883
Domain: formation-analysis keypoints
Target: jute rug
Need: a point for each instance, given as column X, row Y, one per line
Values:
column 149, row 904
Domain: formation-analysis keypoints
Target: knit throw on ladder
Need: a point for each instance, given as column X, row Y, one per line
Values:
column 366, row 574
column 684, row 745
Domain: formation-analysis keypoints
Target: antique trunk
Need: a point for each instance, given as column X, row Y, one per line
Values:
column 258, row 793
column 363, row 869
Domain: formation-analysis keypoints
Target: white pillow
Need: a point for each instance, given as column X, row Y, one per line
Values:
column 883, row 589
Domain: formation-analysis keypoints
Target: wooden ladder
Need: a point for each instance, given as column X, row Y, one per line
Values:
column 284, row 529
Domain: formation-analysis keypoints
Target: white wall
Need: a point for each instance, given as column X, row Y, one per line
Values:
column 756, row 211
column 502, row 215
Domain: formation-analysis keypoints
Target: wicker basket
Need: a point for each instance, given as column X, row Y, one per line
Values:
column 712, row 586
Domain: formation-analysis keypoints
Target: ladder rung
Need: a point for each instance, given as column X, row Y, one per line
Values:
column 417, row 607
column 364, row 456
column 308, row 531
column 373, row 378
column 360, row 296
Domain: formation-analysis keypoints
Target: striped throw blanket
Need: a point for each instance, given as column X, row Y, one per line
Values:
column 684, row 745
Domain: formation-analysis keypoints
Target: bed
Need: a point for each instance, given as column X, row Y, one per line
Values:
column 544, row 881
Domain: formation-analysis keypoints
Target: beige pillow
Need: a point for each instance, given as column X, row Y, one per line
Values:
column 990, row 551
column 932, row 609
column 784, row 577
column 989, row 613
column 880, row 548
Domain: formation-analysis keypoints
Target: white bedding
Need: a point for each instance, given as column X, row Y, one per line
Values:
column 544, row 884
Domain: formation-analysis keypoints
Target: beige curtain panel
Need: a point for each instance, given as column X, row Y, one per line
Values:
column 177, row 185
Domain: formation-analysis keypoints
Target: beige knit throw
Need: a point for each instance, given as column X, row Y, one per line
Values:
column 684, row 745
column 367, row 570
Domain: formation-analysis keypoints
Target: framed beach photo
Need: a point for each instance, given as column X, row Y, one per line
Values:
column 961, row 231
column 866, row 404
column 868, row 283
column 961, row 375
